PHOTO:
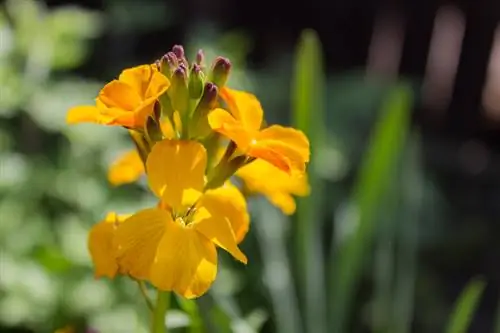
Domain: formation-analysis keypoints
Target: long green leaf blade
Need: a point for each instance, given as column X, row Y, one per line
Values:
column 465, row 306
column 308, row 110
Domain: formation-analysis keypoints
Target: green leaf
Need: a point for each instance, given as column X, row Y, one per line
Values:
column 308, row 111
column 376, row 173
column 465, row 306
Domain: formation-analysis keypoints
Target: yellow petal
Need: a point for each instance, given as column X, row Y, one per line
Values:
column 84, row 114
column 146, row 80
column 236, row 210
column 136, row 241
column 293, row 138
column 277, row 186
column 222, row 122
column 284, row 147
column 186, row 262
column 217, row 212
column 100, row 245
column 244, row 107
column 119, row 95
column 126, row 169
column 176, row 166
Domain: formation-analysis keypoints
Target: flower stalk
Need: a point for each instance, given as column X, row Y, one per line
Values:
column 159, row 324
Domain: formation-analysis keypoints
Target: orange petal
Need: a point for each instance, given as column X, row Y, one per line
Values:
column 186, row 262
column 176, row 168
column 222, row 122
column 119, row 95
column 146, row 80
column 100, row 244
column 284, row 147
column 136, row 241
column 84, row 114
column 244, row 107
column 126, row 169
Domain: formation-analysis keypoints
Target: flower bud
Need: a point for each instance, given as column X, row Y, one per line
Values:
column 178, row 50
column 168, row 64
column 220, row 71
column 196, row 79
column 199, row 127
column 200, row 58
column 178, row 91
column 153, row 130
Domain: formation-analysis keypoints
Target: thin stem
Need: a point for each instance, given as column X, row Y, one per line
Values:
column 160, row 311
column 144, row 293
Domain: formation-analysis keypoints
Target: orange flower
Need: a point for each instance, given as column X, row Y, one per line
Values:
column 284, row 147
column 124, row 102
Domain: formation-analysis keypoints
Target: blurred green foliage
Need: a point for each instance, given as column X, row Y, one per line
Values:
column 305, row 273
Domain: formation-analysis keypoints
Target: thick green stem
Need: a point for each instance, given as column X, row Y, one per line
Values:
column 160, row 311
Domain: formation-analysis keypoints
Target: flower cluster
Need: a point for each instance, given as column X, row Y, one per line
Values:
column 191, row 135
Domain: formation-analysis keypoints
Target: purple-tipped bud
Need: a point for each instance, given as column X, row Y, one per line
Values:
column 200, row 57
column 220, row 71
column 209, row 97
column 196, row 81
column 180, row 72
column 178, row 50
column 168, row 64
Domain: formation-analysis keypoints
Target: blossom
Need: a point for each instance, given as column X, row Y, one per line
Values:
column 277, row 186
column 174, row 244
column 127, row 101
column 284, row 147
column 100, row 244
column 128, row 167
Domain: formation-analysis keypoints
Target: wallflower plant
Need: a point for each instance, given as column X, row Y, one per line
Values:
column 192, row 134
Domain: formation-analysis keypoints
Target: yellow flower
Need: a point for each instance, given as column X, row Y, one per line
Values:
column 127, row 101
column 129, row 167
column 277, row 186
column 126, row 169
column 284, row 147
column 174, row 245
column 100, row 244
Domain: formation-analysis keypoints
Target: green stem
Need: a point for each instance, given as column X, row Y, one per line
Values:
column 160, row 311
column 144, row 293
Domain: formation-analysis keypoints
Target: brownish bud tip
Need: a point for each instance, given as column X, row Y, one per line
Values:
column 220, row 71
column 178, row 50
column 200, row 57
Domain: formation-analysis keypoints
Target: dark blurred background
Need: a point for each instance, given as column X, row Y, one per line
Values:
column 449, row 52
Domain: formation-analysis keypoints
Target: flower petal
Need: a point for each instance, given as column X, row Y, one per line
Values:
column 293, row 138
column 146, row 80
column 117, row 94
column 136, row 241
column 100, row 245
column 222, row 122
column 217, row 212
column 186, row 262
column 236, row 210
column 84, row 114
column 244, row 107
column 176, row 166
column 126, row 169
column 277, row 186
column 284, row 147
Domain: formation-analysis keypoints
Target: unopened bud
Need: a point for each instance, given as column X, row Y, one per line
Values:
column 199, row 127
column 153, row 130
column 178, row 91
column 178, row 50
column 209, row 98
column 196, row 79
column 220, row 71
column 169, row 64
column 200, row 58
